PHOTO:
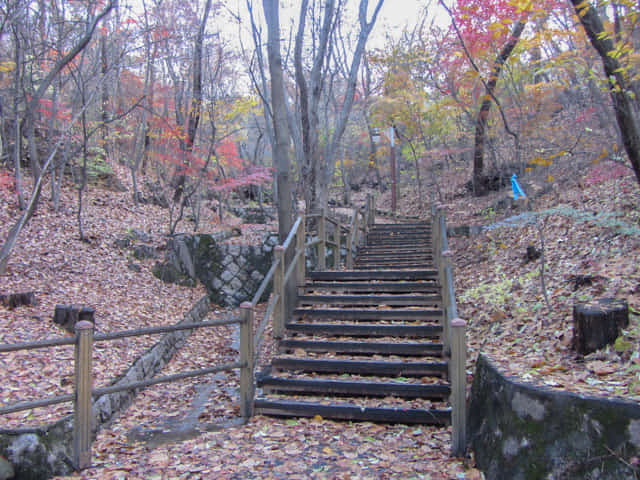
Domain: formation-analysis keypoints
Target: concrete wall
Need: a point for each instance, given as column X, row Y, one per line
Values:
column 524, row 432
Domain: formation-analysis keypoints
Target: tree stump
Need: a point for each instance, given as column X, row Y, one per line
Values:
column 13, row 300
column 68, row 315
column 598, row 323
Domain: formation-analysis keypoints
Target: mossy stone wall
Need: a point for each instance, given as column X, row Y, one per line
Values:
column 525, row 432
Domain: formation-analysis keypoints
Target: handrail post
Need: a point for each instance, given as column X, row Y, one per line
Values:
column 371, row 217
column 458, row 379
column 246, row 358
column 337, row 258
column 301, row 268
column 322, row 246
column 279, row 289
column 83, row 386
column 353, row 228
column 436, row 234
column 448, row 308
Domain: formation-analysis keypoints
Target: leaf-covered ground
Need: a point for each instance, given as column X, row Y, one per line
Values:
column 187, row 429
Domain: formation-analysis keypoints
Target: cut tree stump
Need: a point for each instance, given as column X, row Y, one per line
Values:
column 68, row 315
column 13, row 300
column 598, row 323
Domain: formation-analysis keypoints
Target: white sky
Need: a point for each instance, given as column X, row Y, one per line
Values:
column 394, row 16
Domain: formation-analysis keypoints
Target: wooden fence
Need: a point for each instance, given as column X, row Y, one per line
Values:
column 83, row 391
column 454, row 331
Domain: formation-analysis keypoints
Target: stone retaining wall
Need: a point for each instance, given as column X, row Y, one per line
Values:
column 524, row 432
column 42, row 452
column 231, row 273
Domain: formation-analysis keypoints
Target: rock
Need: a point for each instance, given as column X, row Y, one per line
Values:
column 41, row 454
column 139, row 235
column 6, row 469
column 143, row 252
column 157, row 194
column 134, row 267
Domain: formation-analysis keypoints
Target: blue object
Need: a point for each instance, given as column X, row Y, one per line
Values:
column 517, row 191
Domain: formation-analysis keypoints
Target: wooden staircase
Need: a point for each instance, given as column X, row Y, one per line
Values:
column 366, row 344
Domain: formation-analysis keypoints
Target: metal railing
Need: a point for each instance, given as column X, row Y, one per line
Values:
column 454, row 331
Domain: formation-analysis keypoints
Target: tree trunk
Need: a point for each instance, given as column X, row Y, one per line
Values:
column 598, row 323
column 485, row 108
column 621, row 93
column 279, row 120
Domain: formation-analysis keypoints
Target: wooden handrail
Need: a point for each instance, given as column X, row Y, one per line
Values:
column 265, row 283
column 292, row 234
column 454, row 332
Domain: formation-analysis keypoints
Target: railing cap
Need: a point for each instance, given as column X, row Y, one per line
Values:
column 247, row 305
column 458, row 322
column 447, row 253
column 84, row 325
column 278, row 248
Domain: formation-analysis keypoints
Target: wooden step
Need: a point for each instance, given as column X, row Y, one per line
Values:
column 352, row 412
column 391, row 314
column 397, row 254
column 383, row 266
column 393, row 262
column 374, row 275
column 397, row 242
column 371, row 300
column 271, row 384
column 383, row 287
column 366, row 330
column 400, row 226
column 361, row 367
column 364, row 348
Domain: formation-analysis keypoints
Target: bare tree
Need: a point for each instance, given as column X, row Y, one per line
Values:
column 319, row 162
column 619, row 89
column 279, row 119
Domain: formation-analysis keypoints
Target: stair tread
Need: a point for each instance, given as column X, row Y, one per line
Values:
column 355, row 388
column 371, row 299
column 367, row 329
column 388, row 348
column 345, row 411
column 398, row 314
column 418, row 274
column 361, row 367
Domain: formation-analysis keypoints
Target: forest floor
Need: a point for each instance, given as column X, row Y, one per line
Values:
column 591, row 231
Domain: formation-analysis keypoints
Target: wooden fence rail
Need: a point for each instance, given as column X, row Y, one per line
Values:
column 83, row 373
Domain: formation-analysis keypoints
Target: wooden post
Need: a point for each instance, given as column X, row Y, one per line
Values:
column 279, row 288
column 458, row 378
column 322, row 246
column 246, row 358
column 301, row 268
column 337, row 257
column 448, row 306
column 83, row 386
column 371, row 209
column 436, row 243
column 353, row 230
